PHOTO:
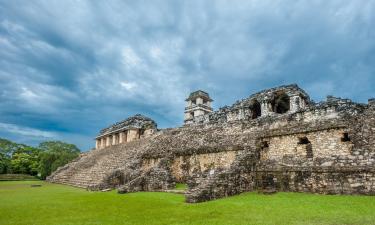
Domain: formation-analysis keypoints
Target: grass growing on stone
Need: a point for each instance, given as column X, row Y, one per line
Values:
column 181, row 186
column 58, row 204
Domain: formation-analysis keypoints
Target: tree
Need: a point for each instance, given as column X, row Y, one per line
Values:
column 55, row 154
column 7, row 149
column 4, row 163
column 25, row 160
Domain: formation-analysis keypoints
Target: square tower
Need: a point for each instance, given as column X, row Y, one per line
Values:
column 197, row 104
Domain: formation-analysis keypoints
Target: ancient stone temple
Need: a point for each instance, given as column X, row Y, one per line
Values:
column 131, row 129
column 274, row 140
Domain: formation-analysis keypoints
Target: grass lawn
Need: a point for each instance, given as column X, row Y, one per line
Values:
column 59, row 204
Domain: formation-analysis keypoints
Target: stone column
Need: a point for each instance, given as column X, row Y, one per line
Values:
column 294, row 103
column 120, row 140
column 264, row 107
column 103, row 142
column 113, row 139
column 96, row 143
column 108, row 140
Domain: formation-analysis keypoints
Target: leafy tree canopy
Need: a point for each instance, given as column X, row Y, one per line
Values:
column 55, row 154
column 43, row 160
column 58, row 146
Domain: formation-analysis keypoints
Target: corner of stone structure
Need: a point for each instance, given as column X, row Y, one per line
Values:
column 371, row 102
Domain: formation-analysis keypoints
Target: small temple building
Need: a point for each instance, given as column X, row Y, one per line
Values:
column 131, row 129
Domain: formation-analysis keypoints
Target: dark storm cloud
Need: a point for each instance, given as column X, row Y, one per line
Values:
column 69, row 68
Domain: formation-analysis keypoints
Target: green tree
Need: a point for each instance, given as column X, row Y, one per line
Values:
column 4, row 163
column 55, row 154
column 25, row 160
column 7, row 149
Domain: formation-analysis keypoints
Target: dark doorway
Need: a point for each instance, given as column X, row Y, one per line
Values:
column 255, row 109
column 306, row 142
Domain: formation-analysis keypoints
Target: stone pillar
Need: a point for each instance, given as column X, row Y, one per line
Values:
column 108, row 140
column 103, row 142
column 96, row 143
column 113, row 139
column 264, row 107
column 133, row 134
column 121, row 139
column 294, row 103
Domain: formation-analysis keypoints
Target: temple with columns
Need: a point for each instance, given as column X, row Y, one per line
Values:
column 131, row 129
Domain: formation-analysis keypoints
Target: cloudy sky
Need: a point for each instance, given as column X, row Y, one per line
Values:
column 70, row 68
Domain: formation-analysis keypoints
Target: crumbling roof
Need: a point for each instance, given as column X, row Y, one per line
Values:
column 199, row 93
column 291, row 88
column 137, row 121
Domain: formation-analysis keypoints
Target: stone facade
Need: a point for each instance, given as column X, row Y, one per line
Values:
column 276, row 139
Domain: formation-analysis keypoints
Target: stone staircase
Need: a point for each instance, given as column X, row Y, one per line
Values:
column 91, row 168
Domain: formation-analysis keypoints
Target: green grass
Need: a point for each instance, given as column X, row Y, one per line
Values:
column 181, row 186
column 58, row 204
column 13, row 177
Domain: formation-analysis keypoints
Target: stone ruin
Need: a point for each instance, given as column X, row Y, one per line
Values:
column 133, row 128
column 275, row 140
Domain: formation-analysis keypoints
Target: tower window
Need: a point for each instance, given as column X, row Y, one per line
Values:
column 345, row 137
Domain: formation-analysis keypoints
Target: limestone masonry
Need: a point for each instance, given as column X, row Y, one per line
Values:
column 274, row 140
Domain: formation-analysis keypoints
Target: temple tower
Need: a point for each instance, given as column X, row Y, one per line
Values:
column 197, row 104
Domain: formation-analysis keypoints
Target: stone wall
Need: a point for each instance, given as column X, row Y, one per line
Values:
column 320, row 143
column 184, row 167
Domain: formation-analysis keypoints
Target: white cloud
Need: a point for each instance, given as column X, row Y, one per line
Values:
column 26, row 131
column 128, row 85
column 130, row 58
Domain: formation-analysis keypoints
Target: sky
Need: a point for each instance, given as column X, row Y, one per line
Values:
column 70, row 68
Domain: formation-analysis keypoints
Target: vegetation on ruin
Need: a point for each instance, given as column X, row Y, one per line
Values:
column 58, row 204
column 35, row 161
column 181, row 186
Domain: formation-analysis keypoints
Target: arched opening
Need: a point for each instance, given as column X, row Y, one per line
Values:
column 280, row 103
column 255, row 109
